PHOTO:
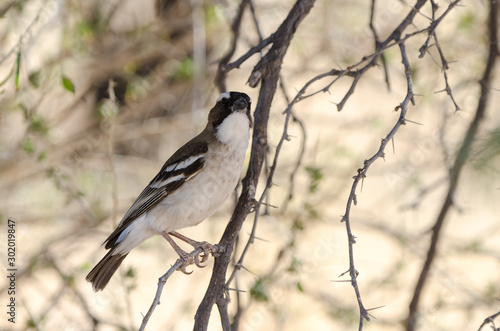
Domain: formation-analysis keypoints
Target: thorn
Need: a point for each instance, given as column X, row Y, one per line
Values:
column 440, row 91
column 261, row 239
column 236, row 290
column 267, row 204
column 341, row 281
column 413, row 122
column 375, row 308
column 393, row 148
column 345, row 272
column 241, row 266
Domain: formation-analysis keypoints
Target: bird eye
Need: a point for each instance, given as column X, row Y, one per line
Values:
column 224, row 101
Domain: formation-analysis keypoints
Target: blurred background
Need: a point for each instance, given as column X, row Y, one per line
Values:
column 73, row 159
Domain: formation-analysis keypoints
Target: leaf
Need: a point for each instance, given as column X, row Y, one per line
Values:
column 315, row 175
column 67, row 84
column 295, row 265
column 34, row 79
column 130, row 273
column 38, row 125
column 185, row 70
column 28, row 146
column 259, row 291
column 18, row 69
column 299, row 287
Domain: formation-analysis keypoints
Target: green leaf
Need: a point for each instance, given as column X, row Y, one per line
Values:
column 34, row 79
column 130, row 273
column 18, row 69
column 316, row 175
column 298, row 224
column 28, row 146
column 295, row 265
column 185, row 70
column 259, row 291
column 466, row 22
column 38, row 125
column 299, row 287
column 67, row 84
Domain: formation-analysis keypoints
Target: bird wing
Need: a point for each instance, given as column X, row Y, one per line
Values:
column 182, row 166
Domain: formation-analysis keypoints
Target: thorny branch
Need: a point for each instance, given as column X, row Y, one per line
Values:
column 460, row 160
column 368, row 61
column 266, row 72
column 425, row 48
column 362, row 174
column 377, row 44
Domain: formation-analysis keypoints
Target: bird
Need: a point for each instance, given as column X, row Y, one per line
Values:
column 190, row 186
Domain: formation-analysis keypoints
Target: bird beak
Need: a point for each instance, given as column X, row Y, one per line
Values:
column 240, row 104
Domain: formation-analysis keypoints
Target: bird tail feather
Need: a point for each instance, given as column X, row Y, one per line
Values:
column 104, row 270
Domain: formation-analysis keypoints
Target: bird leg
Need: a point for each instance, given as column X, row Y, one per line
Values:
column 188, row 258
column 207, row 247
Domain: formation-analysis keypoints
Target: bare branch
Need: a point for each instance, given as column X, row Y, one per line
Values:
column 353, row 273
column 460, row 160
column 269, row 69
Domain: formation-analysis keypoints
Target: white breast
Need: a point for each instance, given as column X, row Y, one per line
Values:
column 234, row 130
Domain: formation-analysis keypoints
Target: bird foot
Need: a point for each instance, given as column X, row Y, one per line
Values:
column 202, row 250
column 197, row 257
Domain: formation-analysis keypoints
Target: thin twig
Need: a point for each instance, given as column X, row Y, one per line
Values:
column 220, row 77
column 161, row 283
column 377, row 44
column 435, row 23
column 490, row 320
column 301, row 153
column 460, row 160
column 248, row 54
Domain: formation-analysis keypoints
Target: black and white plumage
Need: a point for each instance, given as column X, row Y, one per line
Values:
column 191, row 185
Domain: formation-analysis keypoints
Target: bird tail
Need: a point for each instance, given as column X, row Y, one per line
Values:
column 104, row 270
